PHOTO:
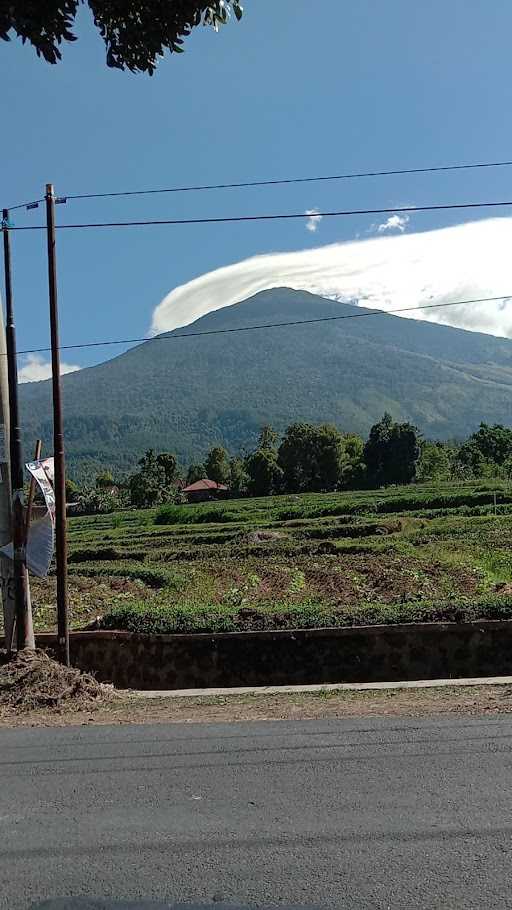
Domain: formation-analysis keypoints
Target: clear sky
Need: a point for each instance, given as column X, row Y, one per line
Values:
column 296, row 88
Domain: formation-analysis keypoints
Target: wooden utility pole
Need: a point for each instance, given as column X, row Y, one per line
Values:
column 23, row 611
column 6, row 564
column 58, row 438
column 32, row 491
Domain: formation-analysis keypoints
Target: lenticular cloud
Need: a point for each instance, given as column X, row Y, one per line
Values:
column 455, row 263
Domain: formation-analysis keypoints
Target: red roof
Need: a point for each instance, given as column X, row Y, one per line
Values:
column 204, row 485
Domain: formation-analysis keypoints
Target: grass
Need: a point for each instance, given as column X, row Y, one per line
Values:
column 418, row 553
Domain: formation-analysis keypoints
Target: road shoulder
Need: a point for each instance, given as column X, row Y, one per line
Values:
column 421, row 701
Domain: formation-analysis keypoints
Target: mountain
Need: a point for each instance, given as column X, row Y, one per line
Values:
column 186, row 394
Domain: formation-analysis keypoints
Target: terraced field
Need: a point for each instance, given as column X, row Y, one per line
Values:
column 414, row 553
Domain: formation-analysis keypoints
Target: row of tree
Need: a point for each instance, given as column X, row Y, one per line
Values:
column 486, row 454
column 309, row 458
column 316, row 458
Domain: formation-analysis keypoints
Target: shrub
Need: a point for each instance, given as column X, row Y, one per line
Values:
column 153, row 577
column 214, row 515
column 92, row 554
column 293, row 513
column 173, row 515
column 165, row 619
column 96, row 502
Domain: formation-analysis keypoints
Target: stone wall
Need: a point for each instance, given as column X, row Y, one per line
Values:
column 365, row 654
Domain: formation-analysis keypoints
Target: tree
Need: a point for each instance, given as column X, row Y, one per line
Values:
column 435, row 461
column 268, row 438
column 328, row 458
column 353, row 468
column 294, row 457
column 195, row 472
column 104, row 480
column 391, row 452
column 135, row 34
column 169, row 463
column 238, row 478
column 72, row 490
column 506, row 469
column 469, row 462
column 217, row 465
column 485, row 452
column 494, row 443
column 265, row 474
column 147, row 485
column 155, row 482
column 311, row 458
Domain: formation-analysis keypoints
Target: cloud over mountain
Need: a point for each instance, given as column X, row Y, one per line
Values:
column 386, row 272
column 36, row 368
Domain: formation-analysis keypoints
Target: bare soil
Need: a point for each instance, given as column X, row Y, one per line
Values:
column 126, row 708
column 348, row 579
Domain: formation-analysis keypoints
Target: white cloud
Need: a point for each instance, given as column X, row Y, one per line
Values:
column 455, row 263
column 37, row 368
column 393, row 223
column 313, row 220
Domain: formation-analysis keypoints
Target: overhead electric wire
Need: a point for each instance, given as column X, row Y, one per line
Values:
column 24, row 205
column 320, row 178
column 282, row 216
column 268, row 325
column 288, row 180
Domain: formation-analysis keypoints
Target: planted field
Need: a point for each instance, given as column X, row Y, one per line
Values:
column 408, row 554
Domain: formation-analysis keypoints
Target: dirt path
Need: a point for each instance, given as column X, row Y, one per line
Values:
column 124, row 708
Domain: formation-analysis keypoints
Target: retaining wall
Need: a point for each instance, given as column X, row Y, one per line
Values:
column 364, row 654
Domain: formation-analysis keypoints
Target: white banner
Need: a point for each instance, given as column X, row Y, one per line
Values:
column 44, row 472
column 41, row 534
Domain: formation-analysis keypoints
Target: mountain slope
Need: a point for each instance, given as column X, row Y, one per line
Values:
column 187, row 394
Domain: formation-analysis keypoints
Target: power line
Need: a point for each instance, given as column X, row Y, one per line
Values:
column 411, row 209
column 25, row 205
column 321, row 178
column 269, row 325
column 288, row 180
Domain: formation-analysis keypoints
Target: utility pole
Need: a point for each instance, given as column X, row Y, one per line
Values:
column 23, row 611
column 58, row 438
column 32, row 491
column 6, row 564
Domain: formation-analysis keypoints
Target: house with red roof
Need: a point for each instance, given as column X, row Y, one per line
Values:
column 205, row 489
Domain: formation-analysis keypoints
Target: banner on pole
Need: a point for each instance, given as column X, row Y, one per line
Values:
column 44, row 473
column 41, row 533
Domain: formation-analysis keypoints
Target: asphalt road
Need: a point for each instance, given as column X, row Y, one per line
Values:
column 332, row 814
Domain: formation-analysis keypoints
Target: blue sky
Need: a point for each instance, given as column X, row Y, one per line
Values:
column 286, row 92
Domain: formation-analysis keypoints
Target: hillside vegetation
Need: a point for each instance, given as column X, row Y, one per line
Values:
column 185, row 395
column 422, row 552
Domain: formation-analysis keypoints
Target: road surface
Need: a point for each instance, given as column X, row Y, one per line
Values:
column 370, row 813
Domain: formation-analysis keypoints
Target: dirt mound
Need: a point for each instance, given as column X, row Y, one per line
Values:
column 31, row 679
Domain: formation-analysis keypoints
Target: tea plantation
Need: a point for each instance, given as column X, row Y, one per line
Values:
column 416, row 553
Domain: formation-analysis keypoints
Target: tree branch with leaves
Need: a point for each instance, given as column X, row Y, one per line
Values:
column 136, row 34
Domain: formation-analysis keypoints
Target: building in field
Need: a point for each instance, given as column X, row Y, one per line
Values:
column 205, row 489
